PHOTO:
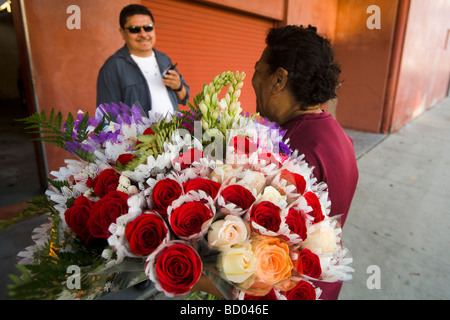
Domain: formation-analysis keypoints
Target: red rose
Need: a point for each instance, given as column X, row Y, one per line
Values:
column 145, row 233
column 294, row 179
column 188, row 219
column 107, row 180
column 308, row 263
column 148, row 132
column 297, row 223
column 77, row 217
column 124, row 158
column 302, row 291
column 209, row 186
column 106, row 211
column 267, row 215
column 178, row 267
column 90, row 183
column 238, row 195
column 186, row 159
column 270, row 296
column 314, row 203
column 164, row 192
column 242, row 145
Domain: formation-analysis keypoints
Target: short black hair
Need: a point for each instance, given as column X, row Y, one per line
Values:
column 132, row 10
column 309, row 59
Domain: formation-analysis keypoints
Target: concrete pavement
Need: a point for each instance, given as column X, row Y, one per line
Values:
column 398, row 227
column 397, row 230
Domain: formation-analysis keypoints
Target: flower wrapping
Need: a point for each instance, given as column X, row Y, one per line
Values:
column 179, row 196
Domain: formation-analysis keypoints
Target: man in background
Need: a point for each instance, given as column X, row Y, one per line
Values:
column 135, row 74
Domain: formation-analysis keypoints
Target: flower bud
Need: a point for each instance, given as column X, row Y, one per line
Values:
column 205, row 124
column 214, row 99
column 238, row 107
column 230, row 121
column 222, row 105
column 203, row 108
column 232, row 107
column 235, row 107
column 207, row 99
column 227, row 98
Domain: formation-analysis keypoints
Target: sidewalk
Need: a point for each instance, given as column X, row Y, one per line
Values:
column 397, row 220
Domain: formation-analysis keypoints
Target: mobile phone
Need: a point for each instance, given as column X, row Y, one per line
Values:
column 171, row 67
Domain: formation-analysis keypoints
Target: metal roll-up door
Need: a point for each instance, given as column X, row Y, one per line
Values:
column 206, row 40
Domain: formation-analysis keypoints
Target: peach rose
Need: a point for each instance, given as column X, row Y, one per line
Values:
column 255, row 287
column 273, row 261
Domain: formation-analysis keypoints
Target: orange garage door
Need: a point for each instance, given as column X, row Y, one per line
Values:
column 205, row 41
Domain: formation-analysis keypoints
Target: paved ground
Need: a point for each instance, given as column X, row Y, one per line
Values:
column 397, row 230
column 399, row 220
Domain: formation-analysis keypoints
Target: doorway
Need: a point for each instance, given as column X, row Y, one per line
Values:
column 19, row 175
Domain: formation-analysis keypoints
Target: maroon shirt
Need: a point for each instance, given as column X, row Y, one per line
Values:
column 330, row 150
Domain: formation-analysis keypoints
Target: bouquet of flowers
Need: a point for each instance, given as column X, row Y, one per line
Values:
column 209, row 191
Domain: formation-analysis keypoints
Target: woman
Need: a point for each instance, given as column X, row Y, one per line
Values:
column 295, row 76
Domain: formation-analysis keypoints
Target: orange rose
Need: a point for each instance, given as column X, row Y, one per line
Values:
column 255, row 288
column 273, row 262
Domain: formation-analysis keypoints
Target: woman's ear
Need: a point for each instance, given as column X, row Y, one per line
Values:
column 280, row 80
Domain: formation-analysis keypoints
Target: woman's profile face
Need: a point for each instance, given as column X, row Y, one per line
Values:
column 261, row 82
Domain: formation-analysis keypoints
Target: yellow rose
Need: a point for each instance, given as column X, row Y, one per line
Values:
column 273, row 261
column 238, row 263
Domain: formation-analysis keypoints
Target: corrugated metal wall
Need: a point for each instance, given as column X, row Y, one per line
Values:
column 205, row 41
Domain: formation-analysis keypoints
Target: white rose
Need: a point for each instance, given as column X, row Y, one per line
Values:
column 273, row 195
column 322, row 239
column 221, row 173
column 228, row 232
column 252, row 180
column 124, row 181
column 239, row 263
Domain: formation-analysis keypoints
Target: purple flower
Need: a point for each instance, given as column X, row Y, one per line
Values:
column 284, row 148
column 120, row 113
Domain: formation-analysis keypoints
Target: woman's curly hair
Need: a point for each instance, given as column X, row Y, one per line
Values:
column 309, row 59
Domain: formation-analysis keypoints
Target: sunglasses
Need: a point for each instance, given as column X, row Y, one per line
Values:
column 135, row 29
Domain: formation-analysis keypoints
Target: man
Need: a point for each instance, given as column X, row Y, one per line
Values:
column 294, row 77
column 134, row 74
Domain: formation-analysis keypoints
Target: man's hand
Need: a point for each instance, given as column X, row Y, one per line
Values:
column 173, row 80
